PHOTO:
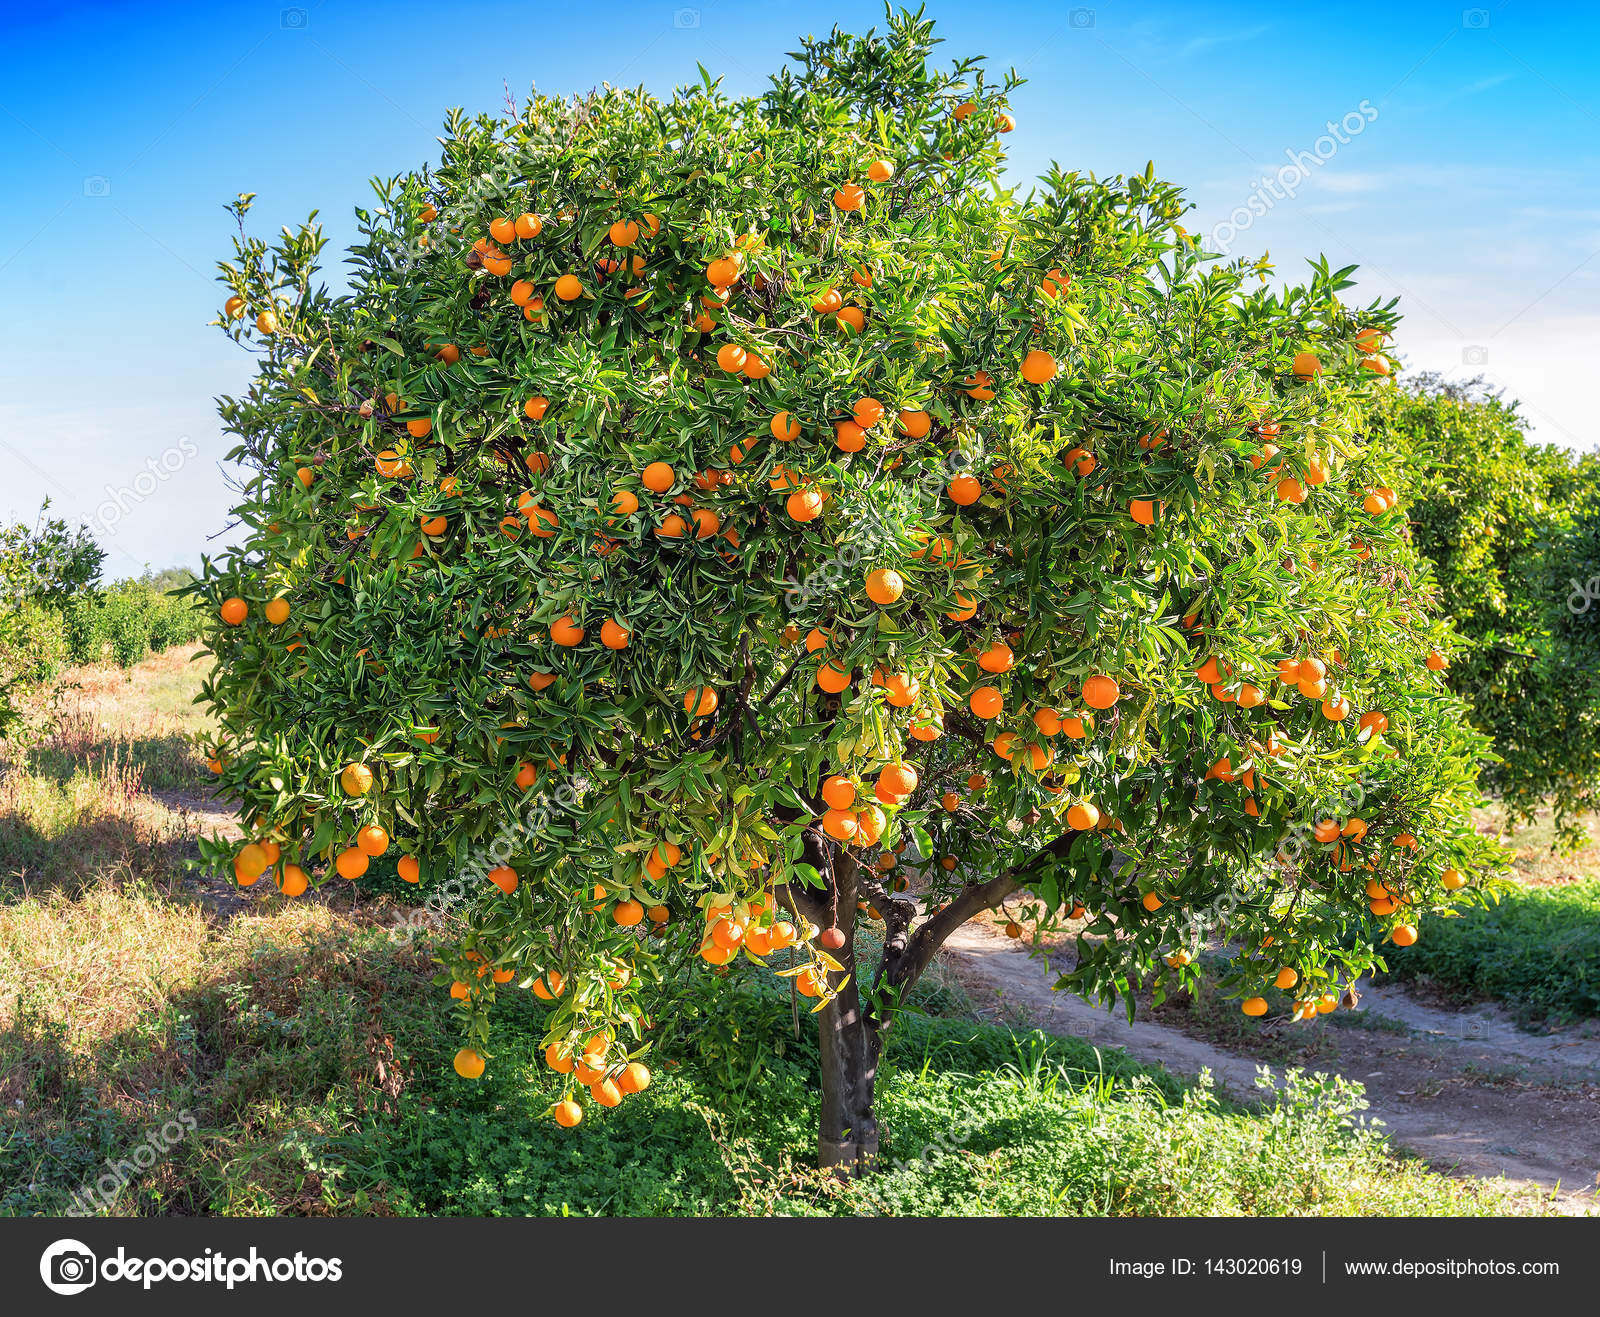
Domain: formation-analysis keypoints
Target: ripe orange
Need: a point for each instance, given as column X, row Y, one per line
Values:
column 410, row 869
column 565, row 631
column 350, row 863
column 567, row 1113
column 1306, row 365
column 1254, row 1006
column 468, row 1063
column 986, row 702
column 623, row 233
column 723, row 272
column 833, row 678
column 372, row 840
column 699, row 701
column 884, row 586
column 658, row 478
column 838, row 792
column 1100, row 692
column 1436, row 661
column 613, row 634
column 234, row 611
column 880, row 171
column 356, row 779
column 997, row 658
column 1142, row 510
column 804, row 505
column 1082, row 817
column 294, row 881
column 851, row 319
column 965, row 490
column 504, row 877
column 898, row 780
column 849, row 197
column 839, row 824
column 628, row 913
column 915, row 424
column 848, row 437
column 731, row 357
column 785, row 427
column 1038, row 367
column 635, row 1078
column 868, row 412
column 569, row 287
column 1403, row 935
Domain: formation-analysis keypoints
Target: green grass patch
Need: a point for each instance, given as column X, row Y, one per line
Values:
column 312, row 1054
column 1537, row 951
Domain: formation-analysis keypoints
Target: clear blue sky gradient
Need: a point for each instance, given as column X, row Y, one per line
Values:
column 1472, row 194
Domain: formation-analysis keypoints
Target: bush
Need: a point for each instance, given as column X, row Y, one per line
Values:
column 1538, row 951
column 1513, row 531
column 127, row 621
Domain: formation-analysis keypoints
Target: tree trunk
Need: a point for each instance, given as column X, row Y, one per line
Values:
column 847, row 1136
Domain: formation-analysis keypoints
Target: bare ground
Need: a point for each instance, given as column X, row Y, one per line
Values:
column 1466, row 1090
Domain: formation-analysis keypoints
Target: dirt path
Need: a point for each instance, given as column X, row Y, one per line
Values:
column 1465, row 1090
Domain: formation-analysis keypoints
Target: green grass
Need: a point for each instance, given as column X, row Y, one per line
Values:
column 313, row 1055
column 1538, row 951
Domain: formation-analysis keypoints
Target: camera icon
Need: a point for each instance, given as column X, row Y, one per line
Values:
column 1474, row 355
column 1476, row 18
column 1081, row 18
column 67, row 1267
column 292, row 18
column 684, row 19
column 96, row 185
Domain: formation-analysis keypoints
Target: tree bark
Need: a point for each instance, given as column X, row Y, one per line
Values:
column 851, row 1027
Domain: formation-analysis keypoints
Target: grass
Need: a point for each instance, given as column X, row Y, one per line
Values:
column 1537, row 951
column 311, row 1054
column 76, row 798
column 294, row 1059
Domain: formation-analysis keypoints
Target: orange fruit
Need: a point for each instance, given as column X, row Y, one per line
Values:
column 804, row 505
column 504, row 877
column 628, row 913
column 986, row 702
column 613, row 634
column 372, row 840
column 468, row 1063
column 569, row 287
column 731, row 358
column 997, row 658
column 565, row 631
column 1403, row 935
column 700, row 701
column 915, row 424
column 356, row 779
column 1082, row 817
column 1100, row 692
column 1306, row 365
column 833, row 678
column 884, row 586
column 234, row 611
column 567, row 1113
column 1038, row 367
column 849, row 197
column 410, row 869
column 838, row 792
column 1254, row 1006
column 880, row 171
column 294, row 881
column 785, row 427
column 1142, row 510
column 965, row 490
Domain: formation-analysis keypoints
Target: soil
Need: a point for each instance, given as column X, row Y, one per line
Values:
column 1466, row 1090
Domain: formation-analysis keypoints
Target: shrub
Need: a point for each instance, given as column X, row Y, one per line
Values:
column 1512, row 529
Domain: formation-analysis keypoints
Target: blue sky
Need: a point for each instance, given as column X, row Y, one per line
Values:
column 1470, row 189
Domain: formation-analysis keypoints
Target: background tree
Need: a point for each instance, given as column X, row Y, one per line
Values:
column 698, row 509
column 45, row 566
column 1512, row 529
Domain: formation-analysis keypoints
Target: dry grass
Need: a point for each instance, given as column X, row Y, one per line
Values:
column 1536, row 864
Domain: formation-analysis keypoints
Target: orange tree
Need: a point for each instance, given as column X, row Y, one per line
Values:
column 706, row 526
